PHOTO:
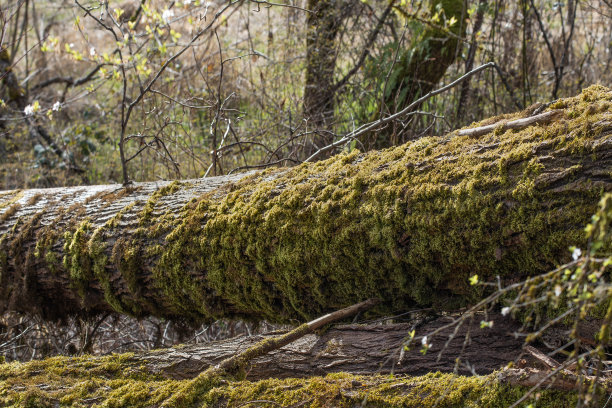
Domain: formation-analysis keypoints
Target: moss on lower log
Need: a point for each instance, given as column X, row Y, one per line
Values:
column 114, row 381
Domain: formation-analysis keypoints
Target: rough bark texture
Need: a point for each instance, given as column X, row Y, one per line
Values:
column 43, row 216
column 354, row 349
column 342, row 367
column 408, row 225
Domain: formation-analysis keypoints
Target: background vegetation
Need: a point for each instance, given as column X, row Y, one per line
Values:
column 188, row 89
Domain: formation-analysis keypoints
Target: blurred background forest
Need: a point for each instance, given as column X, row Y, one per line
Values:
column 96, row 92
column 186, row 89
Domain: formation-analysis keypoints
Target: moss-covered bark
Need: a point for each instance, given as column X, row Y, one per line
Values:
column 107, row 382
column 407, row 225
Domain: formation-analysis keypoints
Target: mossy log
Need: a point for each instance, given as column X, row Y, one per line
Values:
column 107, row 383
column 173, row 377
column 407, row 225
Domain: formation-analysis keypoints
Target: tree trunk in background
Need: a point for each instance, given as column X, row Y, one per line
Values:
column 422, row 65
column 323, row 25
column 464, row 96
column 407, row 225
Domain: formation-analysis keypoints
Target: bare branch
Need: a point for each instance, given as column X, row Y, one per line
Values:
column 512, row 125
column 407, row 110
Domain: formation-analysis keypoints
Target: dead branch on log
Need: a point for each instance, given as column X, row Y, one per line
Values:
column 408, row 110
column 541, row 357
column 234, row 364
column 517, row 124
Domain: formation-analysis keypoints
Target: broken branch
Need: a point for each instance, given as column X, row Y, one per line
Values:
column 512, row 125
column 234, row 364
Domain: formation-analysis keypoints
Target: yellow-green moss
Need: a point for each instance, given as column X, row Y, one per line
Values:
column 76, row 259
column 408, row 225
column 9, row 198
column 116, row 381
column 149, row 207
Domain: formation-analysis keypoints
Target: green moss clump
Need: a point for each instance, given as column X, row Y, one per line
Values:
column 117, row 381
column 76, row 259
column 147, row 211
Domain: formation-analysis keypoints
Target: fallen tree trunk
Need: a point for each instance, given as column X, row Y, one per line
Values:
column 52, row 383
column 407, row 225
column 352, row 357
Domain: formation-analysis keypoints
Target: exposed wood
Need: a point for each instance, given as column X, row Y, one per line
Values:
column 238, row 361
column 517, row 124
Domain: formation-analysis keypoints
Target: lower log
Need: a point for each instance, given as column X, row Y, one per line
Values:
column 342, row 367
column 355, row 349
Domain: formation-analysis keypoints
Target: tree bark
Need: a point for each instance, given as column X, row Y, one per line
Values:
column 464, row 96
column 356, row 349
column 408, row 226
column 323, row 24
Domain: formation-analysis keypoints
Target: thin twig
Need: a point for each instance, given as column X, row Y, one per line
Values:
column 407, row 110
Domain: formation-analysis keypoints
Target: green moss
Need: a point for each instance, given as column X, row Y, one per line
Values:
column 117, row 381
column 149, row 207
column 76, row 259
